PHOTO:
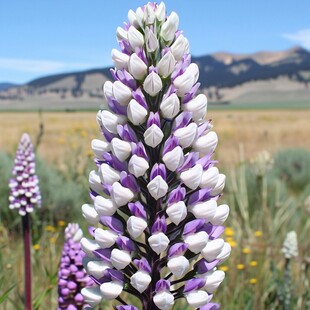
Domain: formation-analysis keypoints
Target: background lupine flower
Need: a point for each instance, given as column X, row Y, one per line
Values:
column 72, row 276
column 24, row 186
column 25, row 196
column 156, row 189
column 290, row 245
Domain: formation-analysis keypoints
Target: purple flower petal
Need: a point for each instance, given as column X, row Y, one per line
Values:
column 160, row 225
column 143, row 264
column 193, row 226
column 104, row 254
column 170, row 144
column 194, row 284
column 126, row 133
column 125, row 243
column 153, row 119
column 176, row 195
column 203, row 266
column 198, row 196
column 158, row 169
column 177, row 249
column 182, row 120
column 112, row 223
column 162, row 285
column 137, row 209
column 210, row 306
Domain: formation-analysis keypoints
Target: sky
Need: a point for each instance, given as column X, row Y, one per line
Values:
column 39, row 38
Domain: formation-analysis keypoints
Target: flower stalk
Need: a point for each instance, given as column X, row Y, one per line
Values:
column 156, row 189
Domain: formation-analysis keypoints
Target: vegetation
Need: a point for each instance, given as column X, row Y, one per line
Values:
column 268, row 197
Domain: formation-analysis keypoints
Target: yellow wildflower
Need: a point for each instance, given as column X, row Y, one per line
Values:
column 253, row 263
column 246, row 250
column 61, row 223
column 229, row 232
column 83, row 134
column 232, row 243
column 258, row 233
column 253, row 281
column 50, row 228
column 240, row 266
column 223, row 268
column 36, row 247
column 53, row 240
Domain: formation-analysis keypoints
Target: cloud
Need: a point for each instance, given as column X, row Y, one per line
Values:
column 40, row 66
column 302, row 37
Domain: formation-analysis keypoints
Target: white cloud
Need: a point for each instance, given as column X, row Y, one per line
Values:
column 40, row 66
column 302, row 37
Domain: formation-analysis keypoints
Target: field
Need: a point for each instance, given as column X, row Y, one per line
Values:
column 245, row 131
column 268, row 194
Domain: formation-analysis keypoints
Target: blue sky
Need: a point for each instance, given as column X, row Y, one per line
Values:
column 38, row 37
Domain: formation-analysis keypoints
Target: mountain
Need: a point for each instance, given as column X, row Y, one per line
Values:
column 5, row 85
column 225, row 77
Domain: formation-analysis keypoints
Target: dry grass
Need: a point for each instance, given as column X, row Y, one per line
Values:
column 251, row 130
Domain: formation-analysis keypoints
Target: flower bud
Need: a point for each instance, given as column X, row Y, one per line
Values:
column 121, row 195
column 213, row 279
column 110, row 120
column 120, row 259
column 120, row 59
column 88, row 246
column 166, row 65
column 186, row 135
column 135, row 38
column 207, row 143
column 108, row 175
column 96, row 268
column 149, row 15
column 132, row 18
column 158, row 242
column 209, row 178
column 212, row 249
column 204, row 210
column 90, row 214
column 178, row 265
column 104, row 206
column 105, row 238
column 137, row 67
column 107, row 90
column 179, row 47
column 140, row 281
column 197, row 298
column 164, row 300
column 99, row 147
column 136, row 226
column 197, row 241
column 192, row 177
column 92, row 295
column 177, row 212
column 121, row 149
column 198, row 107
column 121, row 92
column 151, row 41
column 152, row 84
column 183, row 83
column 169, row 27
column 218, row 188
column 158, row 187
column 225, row 252
column 121, row 34
column 170, row 107
column 111, row 290
column 174, row 158
column 160, row 12
column 220, row 215
column 95, row 182
column 140, row 16
column 136, row 112
column 153, row 136
column 137, row 166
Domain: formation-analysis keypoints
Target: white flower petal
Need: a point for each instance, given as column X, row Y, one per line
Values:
column 137, row 166
column 136, row 113
column 158, row 187
column 111, row 290
column 186, row 135
column 120, row 259
column 140, row 281
column 153, row 136
column 136, row 226
column 108, row 175
column 170, row 107
column 212, row 249
column 90, row 214
column 178, row 265
column 121, row 149
column 158, row 242
column 153, row 84
column 220, row 215
column 192, row 177
column 121, row 195
column 177, row 212
column 164, row 300
column 197, row 241
column 104, row 206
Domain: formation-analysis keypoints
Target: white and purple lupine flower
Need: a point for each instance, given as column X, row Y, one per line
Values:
column 24, row 186
column 72, row 276
column 156, row 188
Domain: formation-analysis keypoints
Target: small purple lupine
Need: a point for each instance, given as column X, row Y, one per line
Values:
column 24, row 186
column 72, row 276
column 25, row 197
column 157, row 187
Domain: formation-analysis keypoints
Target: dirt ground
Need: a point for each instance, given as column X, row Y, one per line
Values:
column 242, row 134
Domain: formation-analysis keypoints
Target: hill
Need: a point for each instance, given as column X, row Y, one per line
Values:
column 262, row 77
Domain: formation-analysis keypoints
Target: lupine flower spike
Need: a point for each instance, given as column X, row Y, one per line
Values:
column 72, row 276
column 156, row 189
column 25, row 197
